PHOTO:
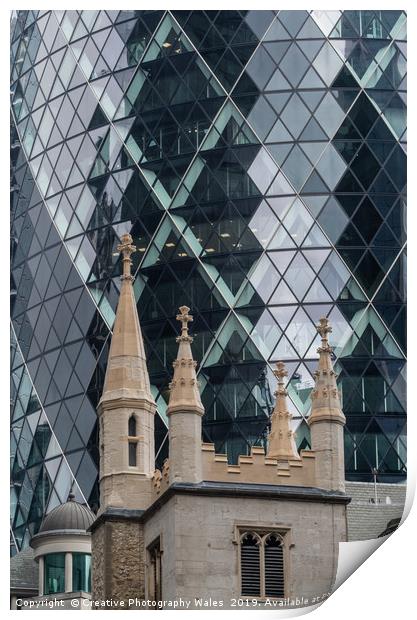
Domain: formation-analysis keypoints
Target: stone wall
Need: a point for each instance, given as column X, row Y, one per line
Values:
column 327, row 443
column 258, row 468
column 163, row 524
column 118, row 560
column 368, row 518
column 200, row 548
column 98, row 558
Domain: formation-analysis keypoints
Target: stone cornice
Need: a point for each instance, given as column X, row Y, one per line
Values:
column 128, row 402
column 224, row 489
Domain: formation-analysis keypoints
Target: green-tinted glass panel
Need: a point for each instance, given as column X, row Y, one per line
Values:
column 81, row 572
column 54, row 573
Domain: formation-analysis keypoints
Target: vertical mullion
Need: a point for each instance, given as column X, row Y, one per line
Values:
column 262, row 565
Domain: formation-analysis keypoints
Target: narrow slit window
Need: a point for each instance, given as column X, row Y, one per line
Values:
column 132, row 426
column 155, row 571
column 274, row 566
column 250, row 565
column 132, row 453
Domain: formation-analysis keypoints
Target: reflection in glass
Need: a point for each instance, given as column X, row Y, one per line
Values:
column 81, row 572
column 54, row 576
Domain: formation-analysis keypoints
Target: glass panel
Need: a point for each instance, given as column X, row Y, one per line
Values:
column 260, row 67
column 294, row 65
column 81, row 572
column 295, row 115
column 299, row 276
column 331, row 167
column 263, row 170
column 297, row 167
column 329, row 114
column 132, row 453
column 54, row 568
column 262, row 117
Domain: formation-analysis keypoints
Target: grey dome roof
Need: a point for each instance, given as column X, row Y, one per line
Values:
column 68, row 516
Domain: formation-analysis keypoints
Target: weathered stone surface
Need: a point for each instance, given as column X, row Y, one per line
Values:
column 198, row 534
column 118, row 558
column 327, row 443
column 120, row 484
column 98, row 560
column 185, row 462
column 200, row 551
column 326, row 419
column 184, row 411
column 281, row 442
column 126, row 394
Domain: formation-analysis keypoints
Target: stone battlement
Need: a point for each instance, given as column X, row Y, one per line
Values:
column 255, row 468
column 160, row 480
column 258, row 468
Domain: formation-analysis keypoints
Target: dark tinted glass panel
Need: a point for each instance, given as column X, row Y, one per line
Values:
column 208, row 136
column 81, row 572
column 54, row 575
column 133, row 447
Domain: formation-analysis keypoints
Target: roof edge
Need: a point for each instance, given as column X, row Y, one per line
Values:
column 225, row 489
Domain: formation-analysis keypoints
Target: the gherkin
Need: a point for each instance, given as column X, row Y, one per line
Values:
column 258, row 160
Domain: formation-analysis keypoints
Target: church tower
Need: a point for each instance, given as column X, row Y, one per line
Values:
column 126, row 409
column 326, row 419
column 127, row 460
column 281, row 438
column 185, row 411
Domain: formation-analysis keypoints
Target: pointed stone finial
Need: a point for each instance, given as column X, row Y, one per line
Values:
column 280, row 372
column 324, row 328
column 325, row 396
column 127, row 374
column 184, row 392
column 326, row 419
column 184, row 318
column 281, row 438
column 126, row 248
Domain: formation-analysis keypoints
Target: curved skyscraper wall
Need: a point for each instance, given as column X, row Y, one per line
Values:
column 258, row 160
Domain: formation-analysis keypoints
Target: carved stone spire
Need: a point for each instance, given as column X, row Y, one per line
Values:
column 327, row 420
column 281, row 438
column 127, row 374
column 127, row 462
column 184, row 391
column 325, row 396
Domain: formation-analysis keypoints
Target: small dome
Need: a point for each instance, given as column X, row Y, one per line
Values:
column 68, row 516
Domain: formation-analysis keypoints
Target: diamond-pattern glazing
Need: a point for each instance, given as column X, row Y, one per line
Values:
column 258, row 160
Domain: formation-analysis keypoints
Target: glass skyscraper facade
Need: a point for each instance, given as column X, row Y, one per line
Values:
column 258, row 159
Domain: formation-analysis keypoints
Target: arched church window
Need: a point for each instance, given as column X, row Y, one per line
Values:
column 133, row 444
column 262, row 564
column 132, row 426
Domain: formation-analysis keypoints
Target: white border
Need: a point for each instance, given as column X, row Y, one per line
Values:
column 384, row 585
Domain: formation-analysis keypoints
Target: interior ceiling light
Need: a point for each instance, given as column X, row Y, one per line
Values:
column 167, row 44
